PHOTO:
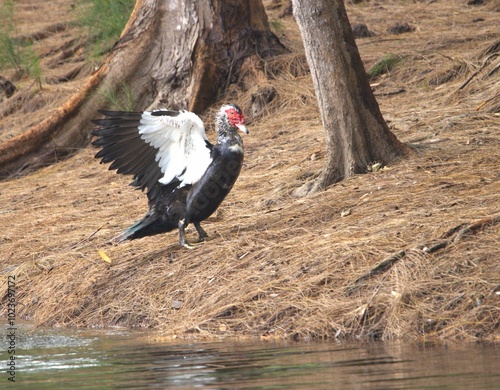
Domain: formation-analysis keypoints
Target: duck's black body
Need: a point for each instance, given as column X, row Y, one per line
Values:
column 181, row 191
column 206, row 195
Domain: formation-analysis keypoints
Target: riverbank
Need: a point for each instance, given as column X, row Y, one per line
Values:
column 409, row 251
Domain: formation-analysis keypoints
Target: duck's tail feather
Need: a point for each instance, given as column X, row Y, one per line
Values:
column 152, row 223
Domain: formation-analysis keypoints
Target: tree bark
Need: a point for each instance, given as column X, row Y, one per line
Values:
column 178, row 54
column 356, row 133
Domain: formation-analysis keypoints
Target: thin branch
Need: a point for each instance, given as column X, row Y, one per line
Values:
column 85, row 239
column 452, row 236
column 483, row 65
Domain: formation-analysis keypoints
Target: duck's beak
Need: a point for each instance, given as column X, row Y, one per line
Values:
column 242, row 128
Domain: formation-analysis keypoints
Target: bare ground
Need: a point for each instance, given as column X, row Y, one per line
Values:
column 410, row 251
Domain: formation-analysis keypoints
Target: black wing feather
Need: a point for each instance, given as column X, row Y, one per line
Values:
column 116, row 131
column 138, row 165
column 127, row 150
column 118, row 136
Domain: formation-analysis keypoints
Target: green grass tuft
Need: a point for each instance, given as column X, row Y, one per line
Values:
column 121, row 99
column 384, row 65
column 14, row 53
column 104, row 21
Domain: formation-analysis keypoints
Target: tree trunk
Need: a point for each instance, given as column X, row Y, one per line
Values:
column 356, row 133
column 176, row 54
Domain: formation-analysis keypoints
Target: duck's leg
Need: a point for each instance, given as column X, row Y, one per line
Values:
column 182, row 234
column 202, row 234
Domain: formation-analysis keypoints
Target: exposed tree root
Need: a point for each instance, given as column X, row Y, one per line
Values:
column 68, row 76
column 180, row 77
column 45, row 33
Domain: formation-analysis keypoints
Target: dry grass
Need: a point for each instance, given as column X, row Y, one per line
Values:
column 58, row 42
column 282, row 267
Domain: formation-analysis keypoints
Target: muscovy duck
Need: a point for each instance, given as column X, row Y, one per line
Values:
column 168, row 153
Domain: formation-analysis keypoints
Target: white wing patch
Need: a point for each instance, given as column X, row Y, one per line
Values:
column 180, row 141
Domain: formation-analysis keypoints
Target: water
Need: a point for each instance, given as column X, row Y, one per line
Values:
column 52, row 359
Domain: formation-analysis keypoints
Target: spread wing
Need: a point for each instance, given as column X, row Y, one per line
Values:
column 156, row 147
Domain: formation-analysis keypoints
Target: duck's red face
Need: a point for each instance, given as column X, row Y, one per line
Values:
column 235, row 118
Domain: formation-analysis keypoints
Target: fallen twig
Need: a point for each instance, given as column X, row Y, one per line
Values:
column 389, row 93
column 383, row 266
column 487, row 101
column 86, row 238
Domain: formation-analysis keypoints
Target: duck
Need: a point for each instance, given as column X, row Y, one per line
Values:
column 167, row 152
